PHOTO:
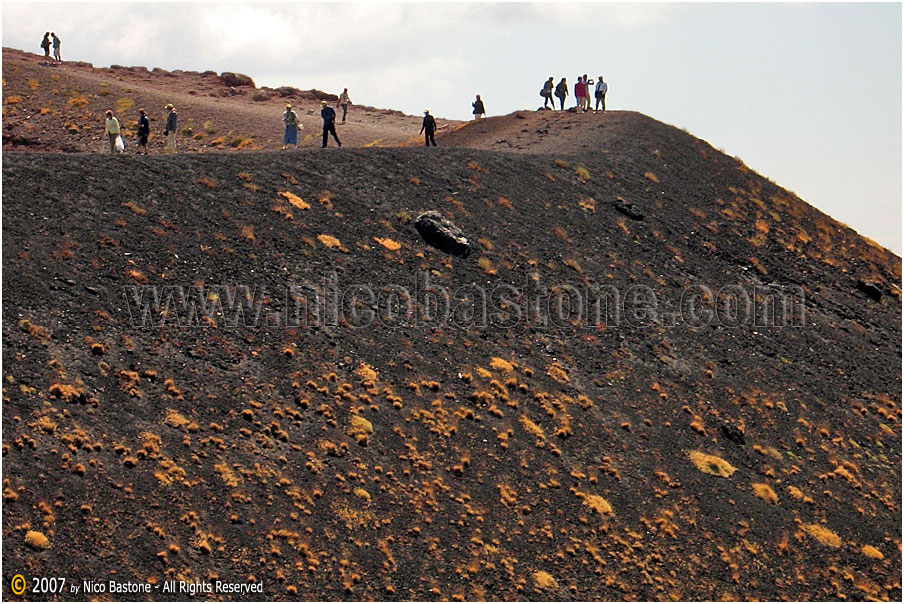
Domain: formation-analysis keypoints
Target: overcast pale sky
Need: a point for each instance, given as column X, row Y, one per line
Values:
column 808, row 95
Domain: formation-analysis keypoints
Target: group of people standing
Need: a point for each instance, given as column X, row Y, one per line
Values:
column 113, row 130
column 584, row 90
column 51, row 39
column 293, row 126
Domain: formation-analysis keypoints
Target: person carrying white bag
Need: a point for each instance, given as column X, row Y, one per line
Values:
column 114, row 134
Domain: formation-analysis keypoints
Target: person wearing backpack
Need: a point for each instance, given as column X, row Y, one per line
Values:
column 111, row 127
column 601, row 89
column 329, row 123
column 428, row 127
column 144, row 130
column 56, row 47
column 561, row 93
column 169, row 130
column 45, row 44
column 546, row 93
column 290, row 119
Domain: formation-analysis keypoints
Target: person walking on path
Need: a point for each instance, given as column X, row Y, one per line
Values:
column 329, row 123
column 561, row 93
column 172, row 122
column 290, row 119
column 344, row 102
column 111, row 127
column 546, row 93
column 428, row 127
column 144, row 130
column 56, row 48
column 45, row 44
column 601, row 89
column 478, row 108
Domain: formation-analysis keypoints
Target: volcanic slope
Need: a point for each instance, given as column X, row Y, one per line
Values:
column 365, row 453
column 48, row 107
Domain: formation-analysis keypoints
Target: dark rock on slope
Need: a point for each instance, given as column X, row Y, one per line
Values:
column 439, row 232
column 251, row 367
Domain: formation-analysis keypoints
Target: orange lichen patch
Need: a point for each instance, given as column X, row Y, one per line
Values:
column 764, row 492
column 362, row 494
column 501, row 365
column 295, row 200
column 36, row 540
column 507, row 495
column 66, row 392
column 588, row 204
column 367, row 373
column 34, row 330
column 389, row 244
column 247, row 232
column 544, row 580
column 532, row 427
column 596, row 503
column 651, row 177
column 207, row 182
column 582, row 173
column 329, row 241
column 558, row 373
column 823, row 535
column 176, row 419
column 710, row 464
column 136, row 275
column 135, row 208
column 871, row 552
column 762, row 225
column 226, row 474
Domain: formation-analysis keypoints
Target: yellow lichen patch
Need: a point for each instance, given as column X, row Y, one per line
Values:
column 360, row 429
column 36, row 540
column 295, row 200
column 507, row 495
column 764, row 492
column 501, row 365
column 558, row 373
column 544, row 580
column 389, row 244
column 362, row 494
column 532, row 428
column 226, row 473
column 367, row 373
column 176, row 419
column 871, row 552
column 823, row 535
column 329, row 241
column 710, row 464
column 596, row 503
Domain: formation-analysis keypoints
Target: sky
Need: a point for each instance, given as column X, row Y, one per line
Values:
column 808, row 95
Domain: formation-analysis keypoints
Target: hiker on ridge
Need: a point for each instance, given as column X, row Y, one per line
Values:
column 329, row 123
column 56, row 47
column 601, row 89
column 344, row 102
column 170, row 130
column 144, row 130
column 45, row 44
column 561, row 93
column 478, row 108
column 111, row 127
column 428, row 127
column 546, row 93
column 290, row 119
column 579, row 89
column 587, row 90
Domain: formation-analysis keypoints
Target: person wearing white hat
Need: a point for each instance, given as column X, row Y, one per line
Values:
column 170, row 130
column 290, row 119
